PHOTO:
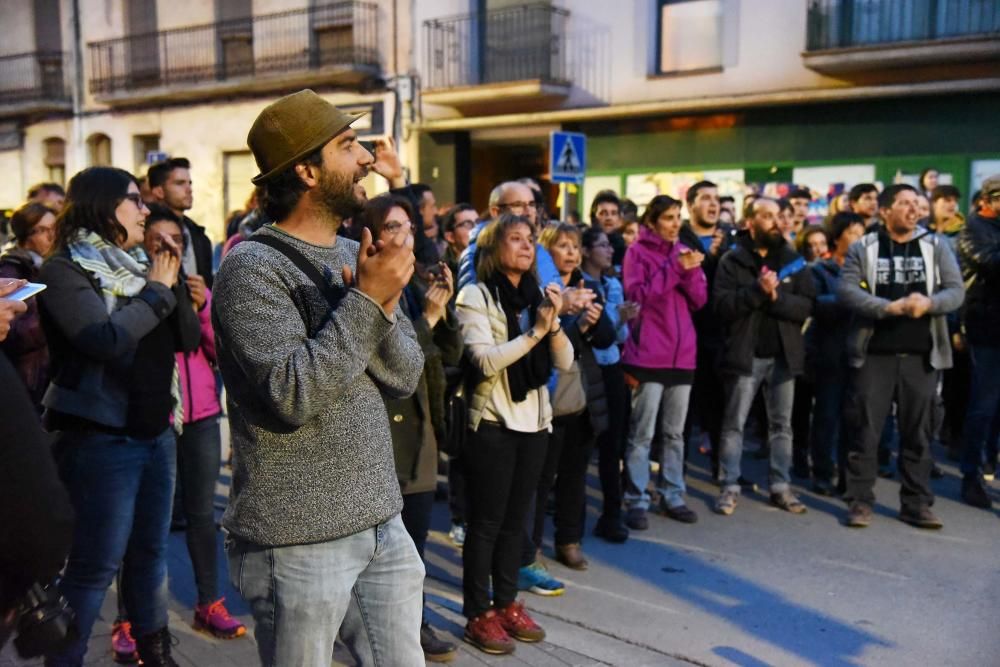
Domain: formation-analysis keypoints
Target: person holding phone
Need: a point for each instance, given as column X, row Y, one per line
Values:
column 113, row 320
column 513, row 339
column 34, row 227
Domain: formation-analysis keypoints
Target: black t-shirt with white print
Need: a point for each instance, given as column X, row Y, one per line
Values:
column 899, row 273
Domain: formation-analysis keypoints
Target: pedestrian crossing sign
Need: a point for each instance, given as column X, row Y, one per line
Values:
column 567, row 157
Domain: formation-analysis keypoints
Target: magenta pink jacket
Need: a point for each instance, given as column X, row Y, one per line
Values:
column 663, row 335
column 197, row 372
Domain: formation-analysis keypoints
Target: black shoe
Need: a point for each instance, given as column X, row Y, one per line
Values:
column 611, row 530
column 435, row 649
column 635, row 518
column 886, row 471
column 746, row 485
column 974, row 492
column 936, row 472
column 681, row 513
column 154, row 649
column 989, row 470
column 823, row 487
column 921, row 518
column 859, row 515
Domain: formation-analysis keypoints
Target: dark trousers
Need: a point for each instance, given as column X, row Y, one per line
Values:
column 565, row 469
column 416, row 515
column 955, row 390
column 826, row 436
column 802, row 415
column 199, row 455
column 910, row 381
column 984, row 407
column 611, row 443
column 705, row 408
column 456, row 490
column 501, row 468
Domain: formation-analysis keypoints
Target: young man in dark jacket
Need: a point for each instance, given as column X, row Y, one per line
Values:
column 979, row 251
column 900, row 282
column 170, row 184
column 762, row 311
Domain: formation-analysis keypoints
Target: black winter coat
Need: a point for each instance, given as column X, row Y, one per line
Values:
column 979, row 255
column 740, row 303
column 706, row 322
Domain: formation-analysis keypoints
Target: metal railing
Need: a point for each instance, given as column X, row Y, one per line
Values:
column 510, row 44
column 838, row 24
column 33, row 77
column 338, row 34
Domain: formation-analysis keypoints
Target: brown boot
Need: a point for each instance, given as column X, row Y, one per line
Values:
column 571, row 556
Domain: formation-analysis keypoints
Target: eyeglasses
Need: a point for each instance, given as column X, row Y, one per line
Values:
column 520, row 204
column 467, row 224
column 396, row 226
column 136, row 199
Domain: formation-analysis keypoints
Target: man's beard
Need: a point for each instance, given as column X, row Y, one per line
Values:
column 336, row 195
column 771, row 240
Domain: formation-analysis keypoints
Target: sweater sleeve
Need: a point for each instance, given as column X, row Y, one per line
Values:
column 951, row 294
column 257, row 322
column 399, row 360
column 77, row 309
column 474, row 320
column 850, row 291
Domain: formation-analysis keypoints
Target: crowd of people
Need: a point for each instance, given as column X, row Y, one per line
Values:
column 365, row 345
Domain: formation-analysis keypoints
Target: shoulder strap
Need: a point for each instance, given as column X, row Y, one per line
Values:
column 332, row 293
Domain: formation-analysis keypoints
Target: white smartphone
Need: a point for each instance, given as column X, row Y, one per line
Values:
column 26, row 292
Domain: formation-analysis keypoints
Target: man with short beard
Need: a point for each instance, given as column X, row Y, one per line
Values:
column 762, row 311
column 308, row 333
column 170, row 184
column 899, row 282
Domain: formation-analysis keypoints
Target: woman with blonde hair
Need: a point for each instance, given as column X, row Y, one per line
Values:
column 513, row 339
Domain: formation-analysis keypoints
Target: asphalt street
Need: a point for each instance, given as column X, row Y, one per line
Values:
column 761, row 587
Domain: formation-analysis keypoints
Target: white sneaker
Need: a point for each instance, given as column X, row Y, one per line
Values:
column 727, row 500
column 457, row 534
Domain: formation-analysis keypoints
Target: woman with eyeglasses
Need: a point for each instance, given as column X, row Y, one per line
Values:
column 514, row 339
column 417, row 422
column 34, row 227
column 114, row 320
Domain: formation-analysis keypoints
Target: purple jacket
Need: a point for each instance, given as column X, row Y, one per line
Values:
column 197, row 372
column 663, row 335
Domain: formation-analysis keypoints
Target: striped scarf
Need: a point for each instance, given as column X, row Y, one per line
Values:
column 121, row 275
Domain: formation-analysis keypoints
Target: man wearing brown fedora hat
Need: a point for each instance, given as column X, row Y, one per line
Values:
column 308, row 334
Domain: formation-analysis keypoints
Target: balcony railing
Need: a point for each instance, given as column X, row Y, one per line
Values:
column 510, row 44
column 841, row 24
column 33, row 77
column 320, row 37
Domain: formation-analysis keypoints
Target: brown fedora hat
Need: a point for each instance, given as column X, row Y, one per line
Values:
column 292, row 128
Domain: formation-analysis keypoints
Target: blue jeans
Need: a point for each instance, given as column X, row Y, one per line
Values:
column 984, row 405
column 670, row 403
column 779, row 394
column 122, row 489
column 368, row 586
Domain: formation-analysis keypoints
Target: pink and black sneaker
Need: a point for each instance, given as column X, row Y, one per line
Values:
column 214, row 619
column 122, row 643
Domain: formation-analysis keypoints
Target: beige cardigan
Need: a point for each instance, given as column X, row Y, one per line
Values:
column 484, row 330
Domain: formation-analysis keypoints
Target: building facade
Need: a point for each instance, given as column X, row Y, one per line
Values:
column 128, row 82
column 824, row 93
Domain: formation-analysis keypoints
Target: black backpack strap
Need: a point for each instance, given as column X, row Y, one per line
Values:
column 332, row 293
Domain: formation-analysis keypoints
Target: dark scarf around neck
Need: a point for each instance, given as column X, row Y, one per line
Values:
column 533, row 369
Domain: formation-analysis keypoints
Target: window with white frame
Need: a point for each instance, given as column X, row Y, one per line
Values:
column 689, row 35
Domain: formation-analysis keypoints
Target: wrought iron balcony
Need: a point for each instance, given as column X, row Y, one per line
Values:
column 515, row 44
column 334, row 43
column 33, row 82
column 842, row 34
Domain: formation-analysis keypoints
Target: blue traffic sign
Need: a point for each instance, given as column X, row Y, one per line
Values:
column 567, row 157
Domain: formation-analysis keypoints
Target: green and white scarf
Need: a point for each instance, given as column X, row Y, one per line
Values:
column 121, row 275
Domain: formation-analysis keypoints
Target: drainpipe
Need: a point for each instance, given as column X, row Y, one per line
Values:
column 76, row 141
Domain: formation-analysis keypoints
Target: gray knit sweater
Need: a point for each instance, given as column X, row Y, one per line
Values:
column 312, row 453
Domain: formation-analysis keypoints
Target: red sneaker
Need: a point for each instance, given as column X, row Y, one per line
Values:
column 519, row 625
column 487, row 634
column 214, row 619
column 122, row 643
